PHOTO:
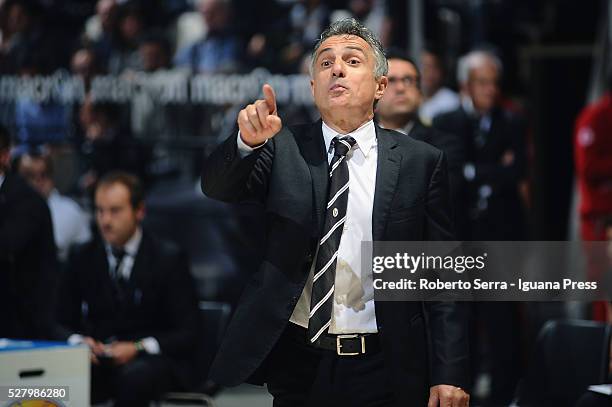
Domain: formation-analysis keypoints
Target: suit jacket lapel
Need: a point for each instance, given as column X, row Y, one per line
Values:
column 313, row 151
column 101, row 271
column 141, row 268
column 387, row 173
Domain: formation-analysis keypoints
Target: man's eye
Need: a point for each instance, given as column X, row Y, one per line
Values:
column 325, row 63
column 353, row 61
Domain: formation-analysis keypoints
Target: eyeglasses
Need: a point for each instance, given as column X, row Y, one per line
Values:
column 408, row 80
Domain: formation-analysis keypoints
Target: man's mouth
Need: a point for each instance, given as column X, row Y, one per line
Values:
column 336, row 87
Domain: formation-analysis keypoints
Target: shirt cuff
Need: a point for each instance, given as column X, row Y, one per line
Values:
column 151, row 346
column 469, row 171
column 75, row 339
column 244, row 149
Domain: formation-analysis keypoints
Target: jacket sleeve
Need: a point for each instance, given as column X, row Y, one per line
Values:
column 228, row 177
column 503, row 177
column 181, row 306
column 448, row 331
column 69, row 313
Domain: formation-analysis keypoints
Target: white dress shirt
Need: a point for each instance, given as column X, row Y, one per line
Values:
column 353, row 308
column 70, row 223
column 131, row 249
column 444, row 100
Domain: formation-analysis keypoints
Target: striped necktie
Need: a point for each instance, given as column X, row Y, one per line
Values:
column 322, row 299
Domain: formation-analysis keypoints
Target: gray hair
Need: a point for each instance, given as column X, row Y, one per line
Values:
column 476, row 59
column 350, row 26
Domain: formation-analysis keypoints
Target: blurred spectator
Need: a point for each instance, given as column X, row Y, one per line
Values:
column 101, row 29
column 124, row 55
column 108, row 145
column 372, row 13
column 70, row 222
column 155, row 52
column 85, row 64
column 150, row 116
column 493, row 160
column 218, row 51
column 39, row 122
column 398, row 110
column 20, row 32
column 494, row 151
column 28, row 261
column 437, row 98
column 593, row 156
column 131, row 298
column 307, row 19
column 103, row 22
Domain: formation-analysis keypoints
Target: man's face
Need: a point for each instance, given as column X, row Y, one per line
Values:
column 402, row 97
column 343, row 77
column 483, row 87
column 35, row 171
column 83, row 63
column 106, row 12
column 153, row 56
column 5, row 159
column 214, row 14
column 116, row 218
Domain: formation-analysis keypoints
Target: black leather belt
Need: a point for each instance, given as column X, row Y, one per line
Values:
column 342, row 344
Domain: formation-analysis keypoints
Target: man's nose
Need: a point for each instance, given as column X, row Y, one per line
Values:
column 338, row 69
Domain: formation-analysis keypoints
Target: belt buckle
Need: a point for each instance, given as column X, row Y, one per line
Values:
column 349, row 336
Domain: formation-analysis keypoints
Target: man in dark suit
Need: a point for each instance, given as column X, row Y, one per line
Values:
column 131, row 298
column 307, row 323
column 493, row 164
column 494, row 157
column 28, row 261
column 398, row 110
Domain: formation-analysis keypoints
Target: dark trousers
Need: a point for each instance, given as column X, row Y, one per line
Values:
column 300, row 375
column 496, row 337
column 591, row 399
column 134, row 384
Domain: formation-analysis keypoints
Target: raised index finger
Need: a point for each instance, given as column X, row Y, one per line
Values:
column 270, row 98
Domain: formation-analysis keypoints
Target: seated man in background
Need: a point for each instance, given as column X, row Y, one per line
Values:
column 398, row 110
column 70, row 222
column 131, row 298
column 28, row 261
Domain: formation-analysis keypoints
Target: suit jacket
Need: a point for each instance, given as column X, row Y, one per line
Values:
column 289, row 175
column 501, row 215
column 453, row 148
column 160, row 300
column 28, row 262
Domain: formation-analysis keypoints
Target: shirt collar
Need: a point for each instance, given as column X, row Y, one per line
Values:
column 1, row 180
column 404, row 130
column 468, row 105
column 365, row 136
column 54, row 194
column 132, row 245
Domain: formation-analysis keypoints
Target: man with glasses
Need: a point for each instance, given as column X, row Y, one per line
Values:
column 398, row 110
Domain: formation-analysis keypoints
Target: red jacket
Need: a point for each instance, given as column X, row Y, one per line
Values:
column 593, row 156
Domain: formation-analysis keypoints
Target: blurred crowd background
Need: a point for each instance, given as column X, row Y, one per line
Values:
column 551, row 59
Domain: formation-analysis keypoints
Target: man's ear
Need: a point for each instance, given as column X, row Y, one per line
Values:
column 5, row 159
column 381, row 86
column 312, row 87
column 140, row 212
